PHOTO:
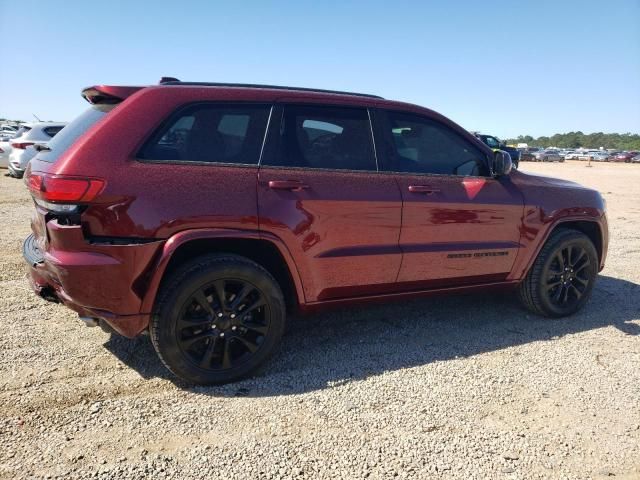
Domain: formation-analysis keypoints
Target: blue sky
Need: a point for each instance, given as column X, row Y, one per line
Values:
column 503, row 67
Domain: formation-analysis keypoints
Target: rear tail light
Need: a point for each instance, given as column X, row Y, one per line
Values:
column 21, row 145
column 62, row 194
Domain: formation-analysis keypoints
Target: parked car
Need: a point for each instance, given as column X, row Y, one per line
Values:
column 7, row 132
column 528, row 154
column 494, row 143
column 624, row 156
column 548, row 156
column 5, row 150
column 575, row 155
column 23, row 145
column 635, row 159
column 201, row 213
column 600, row 156
column 586, row 155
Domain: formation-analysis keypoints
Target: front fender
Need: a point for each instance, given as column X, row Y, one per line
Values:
column 182, row 238
column 537, row 228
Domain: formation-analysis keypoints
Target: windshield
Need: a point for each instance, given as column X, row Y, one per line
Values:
column 69, row 134
column 492, row 142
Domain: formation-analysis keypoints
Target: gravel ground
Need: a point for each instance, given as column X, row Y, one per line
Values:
column 459, row 387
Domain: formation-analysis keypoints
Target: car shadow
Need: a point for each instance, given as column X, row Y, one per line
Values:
column 351, row 344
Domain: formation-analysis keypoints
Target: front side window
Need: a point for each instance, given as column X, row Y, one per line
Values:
column 212, row 133
column 324, row 137
column 422, row 145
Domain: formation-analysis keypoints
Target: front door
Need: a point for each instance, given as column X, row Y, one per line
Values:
column 320, row 192
column 459, row 225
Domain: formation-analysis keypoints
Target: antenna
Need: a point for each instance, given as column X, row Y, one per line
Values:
column 36, row 117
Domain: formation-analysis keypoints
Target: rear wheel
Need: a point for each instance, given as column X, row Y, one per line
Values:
column 218, row 319
column 562, row 277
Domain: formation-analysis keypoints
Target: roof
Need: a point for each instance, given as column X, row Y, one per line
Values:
column 172, row 81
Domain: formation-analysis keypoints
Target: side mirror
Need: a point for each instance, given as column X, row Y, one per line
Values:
column 502, row 164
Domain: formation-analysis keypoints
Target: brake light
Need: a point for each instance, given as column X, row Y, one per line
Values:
column 21, row 145
column 52, row 188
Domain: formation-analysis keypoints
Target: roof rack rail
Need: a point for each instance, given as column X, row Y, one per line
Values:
column 172, row 81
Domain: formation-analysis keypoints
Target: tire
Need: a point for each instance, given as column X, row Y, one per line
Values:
column 205, row 340
column 543, row 289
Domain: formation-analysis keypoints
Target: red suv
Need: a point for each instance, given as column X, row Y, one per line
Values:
column 203, row 212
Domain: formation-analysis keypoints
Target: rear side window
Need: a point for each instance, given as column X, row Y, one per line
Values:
column 211, row 133
column 52, row 131
column 422, row 145
column 68, row 135
column 334, row 138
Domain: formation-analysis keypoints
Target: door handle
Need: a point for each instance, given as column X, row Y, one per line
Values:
column 293, row 185
column 426, row 189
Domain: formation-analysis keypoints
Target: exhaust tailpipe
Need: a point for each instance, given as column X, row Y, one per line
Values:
column 90, row 321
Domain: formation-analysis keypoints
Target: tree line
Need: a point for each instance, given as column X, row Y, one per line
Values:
column 620, row 141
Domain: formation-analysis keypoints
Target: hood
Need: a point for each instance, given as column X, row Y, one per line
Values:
column 544, row 180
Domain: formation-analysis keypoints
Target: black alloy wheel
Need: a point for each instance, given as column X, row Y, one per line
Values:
column 222, row 324
column 562, row 276
column 217, row 319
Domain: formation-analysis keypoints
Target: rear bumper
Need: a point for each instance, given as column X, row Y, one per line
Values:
column 100, row 281
column 15, row 170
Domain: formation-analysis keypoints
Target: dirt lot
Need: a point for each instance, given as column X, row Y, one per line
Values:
column 470, row 387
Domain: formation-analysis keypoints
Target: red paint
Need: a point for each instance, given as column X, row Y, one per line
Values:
column 344, row 236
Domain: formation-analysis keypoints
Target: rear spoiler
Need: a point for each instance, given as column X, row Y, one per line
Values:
column 107, row 94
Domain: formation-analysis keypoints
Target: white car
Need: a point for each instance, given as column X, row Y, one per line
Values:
column 7, row 132
column 5, row 150
column 22, row 144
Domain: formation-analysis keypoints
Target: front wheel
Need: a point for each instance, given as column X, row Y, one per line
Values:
column 562, row 277
column 218, row 319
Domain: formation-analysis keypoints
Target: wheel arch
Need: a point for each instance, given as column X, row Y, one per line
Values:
column 268, row 252
column 594, row 228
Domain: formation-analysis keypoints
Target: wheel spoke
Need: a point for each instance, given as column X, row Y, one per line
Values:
column 565, row 294
column 582, row 254
column 556, row 295
column 226, row 355
column 241, row 296
column 250, row 346
column 569, row 255
column 208, row 355
column 257, row 304
column 582, row 280
column 554, row 283
column 188, row 342
column 576, row 291
column 261, row 329
column 193, row 322
column 201, row 299
column 584, row 265
column 560, row 260
column 220, row 293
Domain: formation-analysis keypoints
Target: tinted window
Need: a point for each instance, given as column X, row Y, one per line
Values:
column 324, row 137
column 52, row 131
column 68, row 135
column 492, row 142
column 211, row 133
column 421, row 145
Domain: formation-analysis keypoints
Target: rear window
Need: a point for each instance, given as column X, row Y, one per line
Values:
column 69, row 134
column 52, row 131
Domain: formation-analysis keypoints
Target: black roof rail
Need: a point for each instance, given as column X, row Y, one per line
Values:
column 172, row 81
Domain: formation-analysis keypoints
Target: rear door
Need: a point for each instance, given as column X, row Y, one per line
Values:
column 320, row 192
column 459, row 225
